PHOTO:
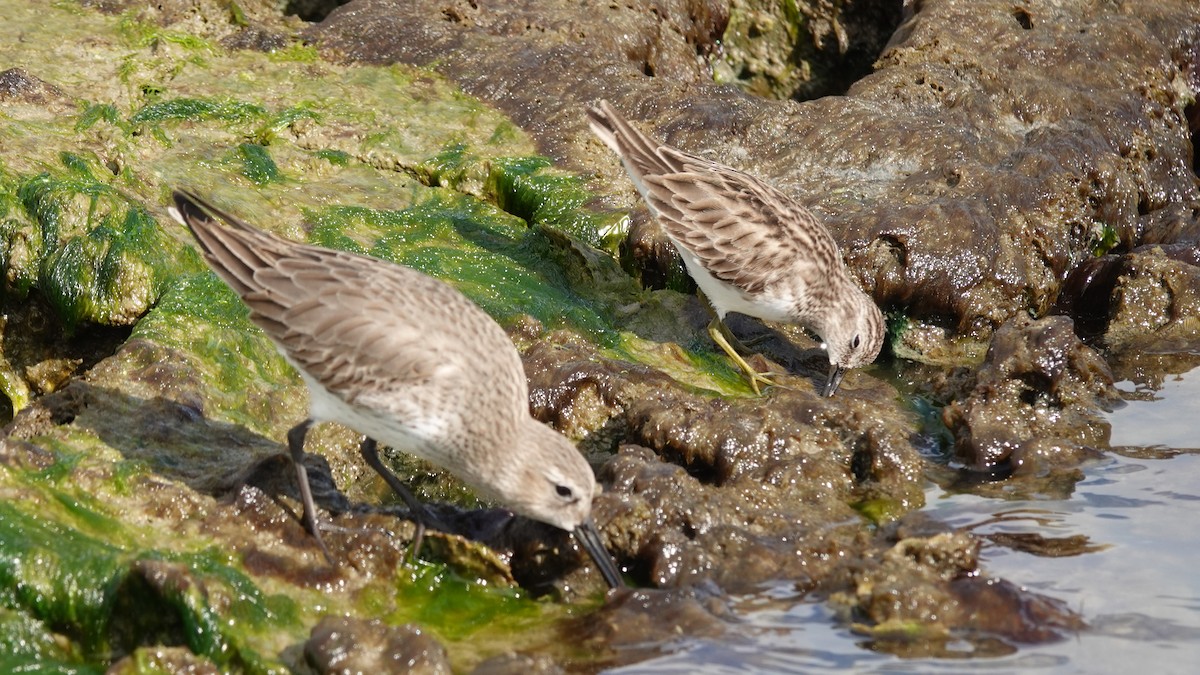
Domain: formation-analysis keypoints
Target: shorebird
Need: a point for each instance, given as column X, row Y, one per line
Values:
column 406, row 360
column 749, row 247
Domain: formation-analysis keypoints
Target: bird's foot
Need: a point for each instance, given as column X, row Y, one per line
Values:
column 723, row 338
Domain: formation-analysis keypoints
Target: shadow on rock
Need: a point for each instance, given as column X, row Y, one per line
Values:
column 252, row 474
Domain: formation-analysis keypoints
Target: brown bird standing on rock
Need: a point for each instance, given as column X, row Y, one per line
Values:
column 407, row 360
column 749, row 247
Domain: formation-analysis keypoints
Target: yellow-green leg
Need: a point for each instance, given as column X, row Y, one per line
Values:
column 729, row 343
column 720, row 334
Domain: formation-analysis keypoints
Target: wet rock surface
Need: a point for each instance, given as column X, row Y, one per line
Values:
column 347, row 645
column 1038, row 400
column 965, row 226
column 969, row 187
column 1037, row 161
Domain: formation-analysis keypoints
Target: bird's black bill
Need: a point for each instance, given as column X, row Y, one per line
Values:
column 835, row 379
column 588, row 536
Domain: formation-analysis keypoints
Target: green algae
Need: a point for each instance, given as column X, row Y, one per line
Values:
column 530, row 188
column 334, row 157
column 457, row 608
column 102, row 587
column 339, row 146
column 77, row 583
column 203, row 319
column 141, row 35
column 70, row 561
column 492, row 257
column 198, row 110
column 257, row 164
column 29, row 646
column 92, row 255
column 95, row 113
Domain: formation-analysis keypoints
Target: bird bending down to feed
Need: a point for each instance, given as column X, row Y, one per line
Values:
column 406, row 360
column 749, row 247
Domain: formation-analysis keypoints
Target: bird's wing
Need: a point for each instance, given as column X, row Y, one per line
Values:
column 354, row 323
column 742, row 230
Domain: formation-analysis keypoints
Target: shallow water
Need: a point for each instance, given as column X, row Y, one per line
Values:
column 1139, row 593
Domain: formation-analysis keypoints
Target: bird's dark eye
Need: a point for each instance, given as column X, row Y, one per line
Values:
column 564, row 491
column 854, row 343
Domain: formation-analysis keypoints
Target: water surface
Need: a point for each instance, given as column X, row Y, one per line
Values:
column 1138, row 588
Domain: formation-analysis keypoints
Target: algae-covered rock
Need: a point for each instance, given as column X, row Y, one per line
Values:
column 148, row 508
column 149, row 412
column 800, row 49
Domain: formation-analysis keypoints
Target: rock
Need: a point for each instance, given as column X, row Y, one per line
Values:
column 1038, row 401
column 348, row 645
column 1034, row 164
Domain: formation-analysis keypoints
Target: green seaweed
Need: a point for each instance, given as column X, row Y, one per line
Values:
column 237, row 16
column 202, row 318
column 296, row 52
column 29, row 646
column 881, row 510
column 198, row 110
column 104, row 264
column 491, row 257
column 139, row 34
column 77, row 583
column 334, row 157
column 1106, row 241
column 58, row 575
column 257, row 164
column 100, row 112
column 456, row 608
column 531, row 189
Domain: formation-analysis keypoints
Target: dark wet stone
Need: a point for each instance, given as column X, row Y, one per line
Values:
column 1156, row 298
column 649, row 255
column 1033, row 164
column 257, row 39
column 312, row 10
column 674, row 531
column 1173, row 224
column 746, row 480
column 17, row 84
column 1037, row 401
column 348, row 645
column 1087, row 293
column 927, row 591
column 635, row 624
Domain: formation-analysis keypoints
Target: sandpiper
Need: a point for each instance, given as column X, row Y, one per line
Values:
column 749, row 247
column 406, row 360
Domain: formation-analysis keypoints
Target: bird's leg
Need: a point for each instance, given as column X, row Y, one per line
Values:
column 421, row 514
column 295, row 439
column 730, row 339
column 729, row 343
column 719, row 333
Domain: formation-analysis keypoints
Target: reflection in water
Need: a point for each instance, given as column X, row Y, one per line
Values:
column 1121, row 550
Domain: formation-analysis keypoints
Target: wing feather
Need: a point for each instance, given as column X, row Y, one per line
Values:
column 742, row 230
column 355, row 324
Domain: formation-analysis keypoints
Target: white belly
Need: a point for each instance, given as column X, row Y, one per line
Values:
column 726, row 298
column 410, row 427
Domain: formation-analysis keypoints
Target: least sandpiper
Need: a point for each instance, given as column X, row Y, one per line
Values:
column 749, row 247
column 406, row 360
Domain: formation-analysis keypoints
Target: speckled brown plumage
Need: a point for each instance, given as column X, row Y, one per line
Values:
column 751, row 248
column 407, row 360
